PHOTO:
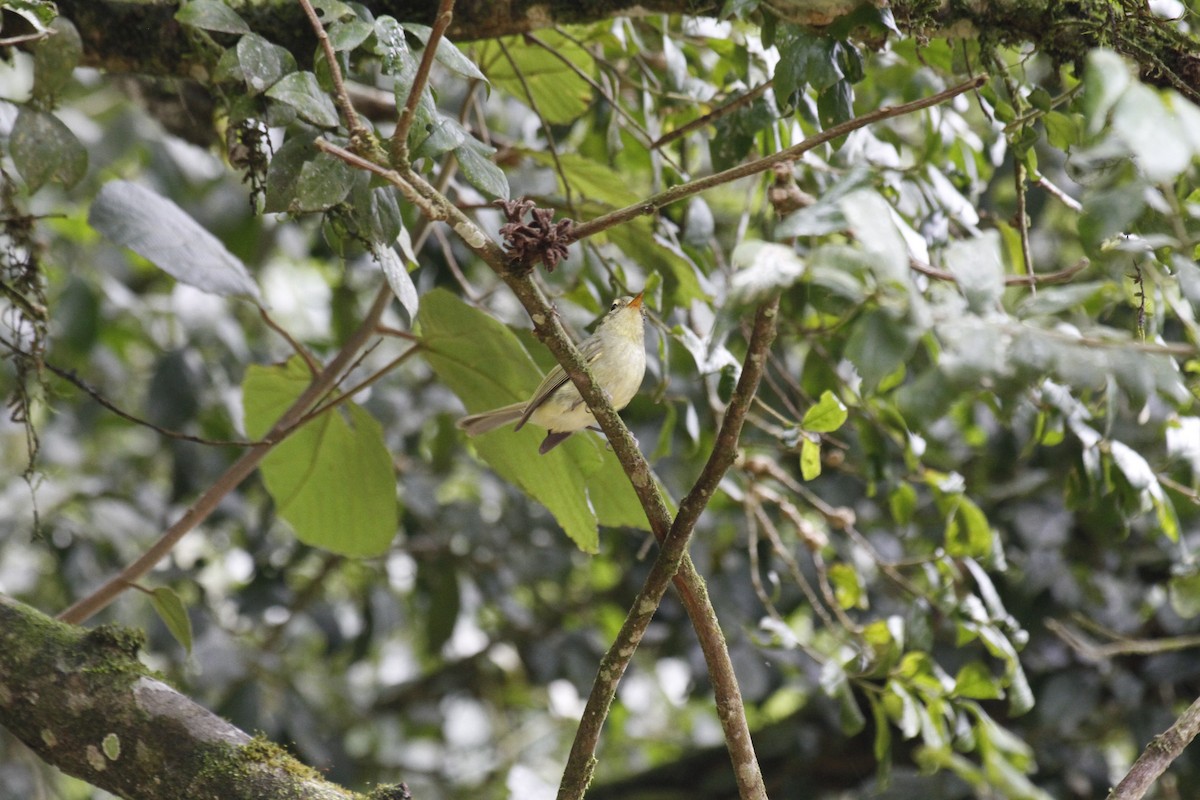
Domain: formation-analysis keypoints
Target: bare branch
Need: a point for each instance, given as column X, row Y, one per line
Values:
column 686, row 190
column 445, row 14
column 1158, row 755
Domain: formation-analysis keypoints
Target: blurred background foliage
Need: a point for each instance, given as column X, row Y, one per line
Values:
column 956, row 558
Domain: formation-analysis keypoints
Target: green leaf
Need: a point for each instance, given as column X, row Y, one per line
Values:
column 474, row 160
column 736, row 133
column 397, row 277
column 436, row 134
column 826, row 416
column 374, row 213
column 837, row 687
column 1184, row 591
column 559, row 93
column 975, row 681
column 332, row 10
column 967, row 530
column 977, row 267
column 54, row 60
column 164, row 234
column 262, row 63
column 333, row 478
column 1152, row 133
column 323, row 182
column 589, row 178
column 301, row 91
column 1063, row 130
column 727, row 382
column 902, row 501
column 806, row 59
column 441, row 597
column 38, row 13
column 883, row 738
column 836, row 105
column 810, row 458
column 483, row 362
column 1108, row 213
column 847, row 586
column 878, row 346
column 1105, row 78
column 212, row 15
column 762, row 269
column 44, row 149
column 171, row 611
column 870, row 217
column 349, row 35
column 448, row 55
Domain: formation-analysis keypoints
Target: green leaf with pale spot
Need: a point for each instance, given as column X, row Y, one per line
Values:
column 332, row 479
column 301, row 91
column 484, row 363
column 44, row 149
column 211, row 15
column 826, row 416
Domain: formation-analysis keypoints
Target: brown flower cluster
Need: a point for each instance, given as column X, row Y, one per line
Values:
column 540, row 239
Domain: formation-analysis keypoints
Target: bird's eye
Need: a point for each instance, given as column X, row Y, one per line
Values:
column 613, row 307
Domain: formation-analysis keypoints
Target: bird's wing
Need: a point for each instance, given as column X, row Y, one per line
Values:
column 553, row 381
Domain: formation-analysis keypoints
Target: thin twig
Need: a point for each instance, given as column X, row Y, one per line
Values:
column 358, row 387
column 359, row 133
column 1094, row 653
column 1062, row 276
column 550, row 143
column 234, row 475
column 445, row 14
column 713, row 116
column 613, row 102
column 685, row 190
column 1042, row 182
column 1022, row 219
column 297, row 348
column 79, row 383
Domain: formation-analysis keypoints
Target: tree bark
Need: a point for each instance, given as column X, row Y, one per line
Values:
column 143, row 37
column 83, row 702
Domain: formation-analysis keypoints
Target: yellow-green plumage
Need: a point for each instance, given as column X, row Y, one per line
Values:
column 616, row 353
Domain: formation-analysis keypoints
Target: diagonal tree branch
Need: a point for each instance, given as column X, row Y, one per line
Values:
column 83, row 701
column 673, row 558
column 1158, row 755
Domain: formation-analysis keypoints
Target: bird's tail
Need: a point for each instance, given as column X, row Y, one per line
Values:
column 475, row 424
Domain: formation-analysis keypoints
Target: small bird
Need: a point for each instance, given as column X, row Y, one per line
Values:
column 616, row 353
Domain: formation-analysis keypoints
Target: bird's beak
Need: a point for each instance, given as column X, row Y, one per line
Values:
column 636, row 302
